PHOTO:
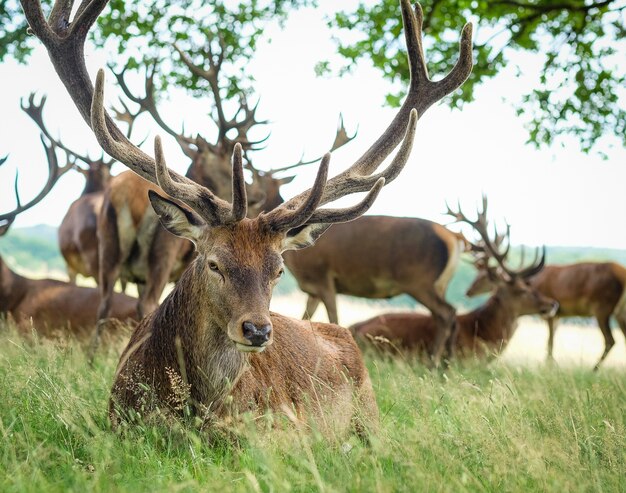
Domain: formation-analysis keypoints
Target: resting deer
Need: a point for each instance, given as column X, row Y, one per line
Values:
column 132, row 244
column 381, row 257
column 214, row 331
column 52, row 307
column 47, row 305
column 585, row 289
column 484, row 332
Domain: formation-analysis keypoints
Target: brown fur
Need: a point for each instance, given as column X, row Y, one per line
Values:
column 485, row 331
column 305, row 364
column 77, row 233
column 48, row 304
column 134, row 247
column 585, row 289
column 380, row 257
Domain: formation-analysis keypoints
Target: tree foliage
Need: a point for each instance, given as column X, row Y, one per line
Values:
column 144, row 32
column 580, row 91
column 581, row 41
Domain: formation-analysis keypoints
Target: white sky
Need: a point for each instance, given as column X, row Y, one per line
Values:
column 556, row 196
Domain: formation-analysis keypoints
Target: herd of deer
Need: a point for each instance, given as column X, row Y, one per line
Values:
column 223, row 241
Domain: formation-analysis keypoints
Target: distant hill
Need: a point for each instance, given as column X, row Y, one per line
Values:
column 35, row 249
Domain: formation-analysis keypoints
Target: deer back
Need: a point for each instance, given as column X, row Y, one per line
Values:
column 377, row 256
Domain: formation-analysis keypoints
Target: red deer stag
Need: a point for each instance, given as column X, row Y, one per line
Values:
column 585, row 289
column 49, row 305
column 214, row 331
column 132, row 243
column 381, row 257
column 485, row 331
column 77, row 232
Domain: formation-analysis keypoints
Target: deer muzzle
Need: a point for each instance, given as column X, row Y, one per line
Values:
column 253, row 336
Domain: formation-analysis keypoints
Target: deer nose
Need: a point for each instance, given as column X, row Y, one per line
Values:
column 258, row 336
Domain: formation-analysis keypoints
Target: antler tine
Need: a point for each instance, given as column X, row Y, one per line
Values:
column 536, row 266
column 240, row 201
column 35, row 112
column 422, row 94
column 490, row 248
column 127, row 116
column 330, row 216
column 210, row 207
column 341, row 139
column 211, row 76
column 355, row 185
column 281, row 219
column 147, row 103
column 118, row 146
column 54, row 173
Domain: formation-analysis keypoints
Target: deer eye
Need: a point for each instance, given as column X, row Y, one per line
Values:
column 280, row 273
column 214, row 267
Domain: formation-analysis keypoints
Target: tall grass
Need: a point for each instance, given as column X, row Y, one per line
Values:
column 472, row 428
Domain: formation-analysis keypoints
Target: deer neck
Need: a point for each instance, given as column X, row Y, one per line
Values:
column 187, row 326
column 92, row 186
column 13, row 288
column 494, row 322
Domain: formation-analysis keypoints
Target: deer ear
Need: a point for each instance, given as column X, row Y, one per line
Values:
column 304, row 236
column 285, row 180
column 176, row 219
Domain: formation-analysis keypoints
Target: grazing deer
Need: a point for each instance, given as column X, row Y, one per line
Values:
column 214, row 332
column 49, row 305
column 77, row 232
column 485, row 331
column 585, row 289
column 381, row 257
column 132, row 243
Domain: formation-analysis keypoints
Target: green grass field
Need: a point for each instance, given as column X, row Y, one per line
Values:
column 474, row 428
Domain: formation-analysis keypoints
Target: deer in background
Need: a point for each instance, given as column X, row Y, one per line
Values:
column 132, row 243
column 77, row 231
column 585, row 289
column 486, row 331
column 381, row 257
column 214, row 331
column 48, row 305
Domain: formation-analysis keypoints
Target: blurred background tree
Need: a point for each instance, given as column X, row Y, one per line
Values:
column 142, row 33
column 581, row 88
column 580, row 91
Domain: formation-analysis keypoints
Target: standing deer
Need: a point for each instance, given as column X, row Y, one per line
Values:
column 214, row 332
column 132, row 243
column 381, row 257
column 585, row 289
column 485, row 331
column 49, row 305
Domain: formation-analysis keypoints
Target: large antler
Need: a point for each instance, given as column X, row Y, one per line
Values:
column 499, row 247
column 65, row 41
column 54, row 173
column 35, row 112
column 422, row 94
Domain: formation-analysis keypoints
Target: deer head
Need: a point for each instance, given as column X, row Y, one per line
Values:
column 490, row 259
column 97, row 172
